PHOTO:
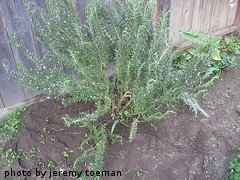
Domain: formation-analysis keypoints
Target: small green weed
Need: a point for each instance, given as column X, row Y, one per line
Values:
column 66, row 154
column 190, row 140
column 44, row 130
column 42, row 140
column 10, row 123
column 10, row 156
column 51, row 165
column 53, row 140
column 139, row 173
column 41, row 166
column 234, row 168
column 207, row 161
column 32, row 152
column 46, row 120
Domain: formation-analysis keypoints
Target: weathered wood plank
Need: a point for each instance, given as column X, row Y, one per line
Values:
column 11, row 92
column 197, row 16
column 28, row 40
column 207, row 16
column 18, row 22
column 156, row 14
column 34, row 5
column 188, row 44
column 237, row 17
column 175, row 20
column 1, row 102
column 215, row 16
column 223, row 14
column 187, row 14
column 231, row 14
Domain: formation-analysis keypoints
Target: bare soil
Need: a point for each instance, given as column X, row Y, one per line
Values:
column 180, row 147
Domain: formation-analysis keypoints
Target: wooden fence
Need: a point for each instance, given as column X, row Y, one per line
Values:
column 13, row 18
column 216, row 17
column 213, row 16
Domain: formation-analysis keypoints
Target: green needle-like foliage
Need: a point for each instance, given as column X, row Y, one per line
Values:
column 116, row 58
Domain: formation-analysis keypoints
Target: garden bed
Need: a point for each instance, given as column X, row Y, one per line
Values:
column 179, row 147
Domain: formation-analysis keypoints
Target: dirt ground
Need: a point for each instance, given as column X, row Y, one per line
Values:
column 180, row 147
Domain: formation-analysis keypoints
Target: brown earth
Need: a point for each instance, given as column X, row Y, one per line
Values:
column 180, row 147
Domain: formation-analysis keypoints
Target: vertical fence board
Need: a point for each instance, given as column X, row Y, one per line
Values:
column 175, row 20
column 223, row 14
column 231, row 15
column 1, row 102
column 237, row 16
column 18, row 22
column 215, row 16
column 207, row 14
column 11, row 92
column 34, row 5
column 27, row 38
column 187, row 14
column 197, row 14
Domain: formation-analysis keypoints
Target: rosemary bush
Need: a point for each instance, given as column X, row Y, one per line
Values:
column 115, row 58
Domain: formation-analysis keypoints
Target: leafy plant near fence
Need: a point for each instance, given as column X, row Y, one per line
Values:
column 226, row 50
column 116, row 59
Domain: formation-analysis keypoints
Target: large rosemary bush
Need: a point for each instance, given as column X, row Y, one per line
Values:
column 115, row 58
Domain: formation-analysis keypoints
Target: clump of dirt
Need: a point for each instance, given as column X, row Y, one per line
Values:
column 180, row 147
